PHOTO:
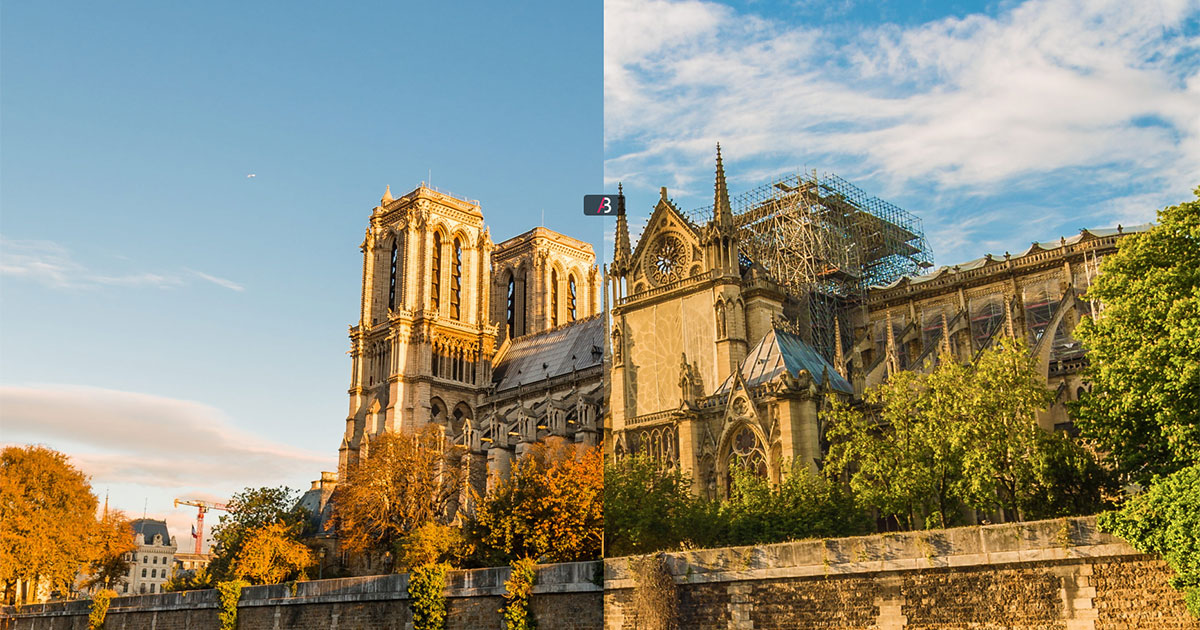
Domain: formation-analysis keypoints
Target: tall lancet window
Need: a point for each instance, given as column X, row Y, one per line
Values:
column 553, row 297
column 456, row 281
column 392, row 274
column 571, row 298
column 435, row 280
column 512, row 306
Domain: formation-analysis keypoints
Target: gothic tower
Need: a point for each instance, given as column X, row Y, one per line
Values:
column 423, row 345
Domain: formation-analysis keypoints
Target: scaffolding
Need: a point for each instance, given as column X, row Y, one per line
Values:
column 825, row 241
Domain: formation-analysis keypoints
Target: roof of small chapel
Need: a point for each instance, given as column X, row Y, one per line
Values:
column 780, row 350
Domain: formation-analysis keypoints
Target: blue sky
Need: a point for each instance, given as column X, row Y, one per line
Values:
column 180, row 327
column 996, row 123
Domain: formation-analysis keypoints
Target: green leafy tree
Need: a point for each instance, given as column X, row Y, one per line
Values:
column 1069, row 480
column 962, row 435
column 518, row 591
column 251, row 510
column 1166, row 520
column 802, row 505
column 1144, row 349
column 47, row 520
column 905, row 460
column 1144, row 404
column 1002, row 394
column 647, row 509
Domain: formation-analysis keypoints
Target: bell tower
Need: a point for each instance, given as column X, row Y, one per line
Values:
column 421, row 351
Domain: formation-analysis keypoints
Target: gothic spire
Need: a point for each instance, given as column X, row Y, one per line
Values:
column 622, row 251
column 387, row 196
column 839, row 360
column 721, row 210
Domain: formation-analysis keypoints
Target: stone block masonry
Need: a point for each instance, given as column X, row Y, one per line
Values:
column 1060, row 574
column 566, row 597
column 1047, row 575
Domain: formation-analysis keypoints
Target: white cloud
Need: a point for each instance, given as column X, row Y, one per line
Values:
column 52, row 265
column 132, row 438
column 1097, row 93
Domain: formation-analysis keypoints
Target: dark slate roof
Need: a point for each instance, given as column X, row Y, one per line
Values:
column 551, row 353
column 778, row 350
column 149, row 527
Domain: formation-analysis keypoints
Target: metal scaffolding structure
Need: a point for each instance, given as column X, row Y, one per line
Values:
column 825, row 241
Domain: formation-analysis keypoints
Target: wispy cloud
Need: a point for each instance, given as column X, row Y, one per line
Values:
column 50, row 264
column 1104, row 96
column 128, row 437
column 222, row 282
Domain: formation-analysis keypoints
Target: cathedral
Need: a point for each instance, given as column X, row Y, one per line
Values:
column 731, row 326
column 497, row 345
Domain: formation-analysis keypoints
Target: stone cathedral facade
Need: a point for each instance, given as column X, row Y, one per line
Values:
column 498, row 345
column 704, row 375
column 714, row 364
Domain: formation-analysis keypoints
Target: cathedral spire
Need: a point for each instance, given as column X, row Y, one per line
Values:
column 839, row 360
column 721, row 210
column 387, row 196
column 622, row 251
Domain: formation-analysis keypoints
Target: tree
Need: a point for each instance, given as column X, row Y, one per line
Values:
column 271, row 555
column 648, row 508
column 1002, row 394
column 905, row 460
column 47, row 519
column 802, row 505
column 189, row 580
column 250, row 510
column 404, row 481
column 112, row 540
column 549, row 509
column 962, row 435
column 1144, row 349
column 1166, row 520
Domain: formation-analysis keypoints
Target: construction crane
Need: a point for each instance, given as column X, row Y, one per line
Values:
column 202, row 506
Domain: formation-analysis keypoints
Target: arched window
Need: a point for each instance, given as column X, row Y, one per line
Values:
column 435, row 280
column 553, row 297
column 456, row 281
column 512, row 306
column 745, row 452
column 395, row 287
column 571, row 298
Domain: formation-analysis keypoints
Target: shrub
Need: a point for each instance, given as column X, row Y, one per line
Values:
column 427, row 596
column 228, row 594
column 99, row 611
column 518, row 590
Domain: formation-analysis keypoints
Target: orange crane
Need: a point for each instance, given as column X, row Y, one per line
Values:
column 203, row 506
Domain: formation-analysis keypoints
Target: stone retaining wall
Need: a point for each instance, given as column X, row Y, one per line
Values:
column 1048, row 575
column 1061, row 574
column 566, row 597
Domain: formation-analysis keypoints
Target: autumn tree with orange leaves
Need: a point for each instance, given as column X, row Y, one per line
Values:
column 272, row 555
column 47, row 521
column 404, row 481
column 112, row 539
column 550, row 508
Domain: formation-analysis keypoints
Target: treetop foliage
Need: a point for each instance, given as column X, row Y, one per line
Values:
column 47, row 518
column 550, row 508
column 251, row 510
column 1144, row 349
column 405, row 481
